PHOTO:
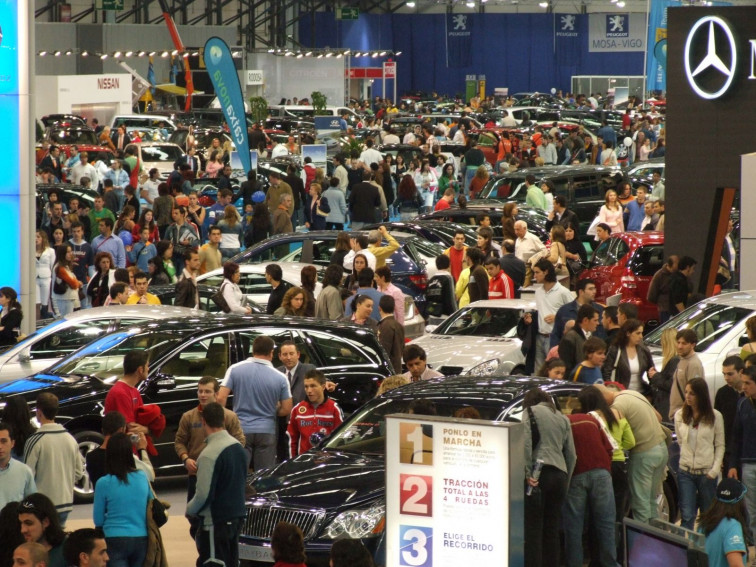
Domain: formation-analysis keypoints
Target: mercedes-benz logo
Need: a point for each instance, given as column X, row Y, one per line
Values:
column 711, row 59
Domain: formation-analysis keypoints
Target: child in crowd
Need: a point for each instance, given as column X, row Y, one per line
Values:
column 589, row 371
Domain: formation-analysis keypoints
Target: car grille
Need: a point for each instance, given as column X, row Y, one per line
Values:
column 451, row 370
column 261, row 519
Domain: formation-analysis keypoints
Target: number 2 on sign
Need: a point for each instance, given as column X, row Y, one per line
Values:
column 416, row 548
column 415, row 495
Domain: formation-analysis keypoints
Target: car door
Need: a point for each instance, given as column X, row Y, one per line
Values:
column 174, row 382
column 255, row 287
column 606, row 268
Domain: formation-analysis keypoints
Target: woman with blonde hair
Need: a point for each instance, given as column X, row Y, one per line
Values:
column 294, row 303
column 611, row 212
column 231, row 233
column 479, row 181
column 395, row 381
column 661, row 382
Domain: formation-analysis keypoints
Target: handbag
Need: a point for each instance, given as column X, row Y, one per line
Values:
column 575, row 266
column 158, row 509
column 59, row 286
column 219, row 299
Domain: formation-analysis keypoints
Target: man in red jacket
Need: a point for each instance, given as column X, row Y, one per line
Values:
column 500, row 285
column 317, row 415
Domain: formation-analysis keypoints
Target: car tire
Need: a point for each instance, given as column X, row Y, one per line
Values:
column 88, row 441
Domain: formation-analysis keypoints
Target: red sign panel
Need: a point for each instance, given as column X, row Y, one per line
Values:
column 365, row 73
column 389, row 70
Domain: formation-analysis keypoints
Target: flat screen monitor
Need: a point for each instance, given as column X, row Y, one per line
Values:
column 648, row 546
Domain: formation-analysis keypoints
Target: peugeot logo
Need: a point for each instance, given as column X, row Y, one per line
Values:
column 711, row 60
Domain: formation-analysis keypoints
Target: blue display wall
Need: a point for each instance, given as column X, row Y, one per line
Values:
column 524, row 52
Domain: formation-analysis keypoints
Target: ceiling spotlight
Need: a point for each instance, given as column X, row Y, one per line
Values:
column 410, row 4
column 347, row 52
column 141, row 54
column 338, row 55
column 375, row 54
column 320, row 56
column 382, row 53
column 299, row 56
column 152, row 53
column 117, row 54
column 164, row 54
column 42, row 53
column 620, row 4
column 308, row 54
column 69, row 52
column 104, row 56
column 329, row 54
column 271, row 50
column 57, row 53
column 129, row 53
column 543, row 4
column 398, row 53
column 174, row 52
column 471, row 4
column 85, row 53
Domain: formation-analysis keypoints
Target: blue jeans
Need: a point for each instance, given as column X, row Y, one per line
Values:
column 593, row 488
column 696, row 493
column 469, row 174
column 749, row 479
column 126, row 551
column 645, row 473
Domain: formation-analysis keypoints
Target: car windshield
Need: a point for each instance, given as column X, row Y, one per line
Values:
column 506, row 187
column 710, row 321
column 161, row 153
column 365, row 431
column 31, row 339
column 482, row 322
column 103, row 358
column 74, row 136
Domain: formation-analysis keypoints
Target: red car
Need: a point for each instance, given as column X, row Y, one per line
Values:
column 625, row 264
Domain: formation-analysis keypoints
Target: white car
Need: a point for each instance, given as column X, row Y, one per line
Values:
column 63, row 336
column 478, row 339
column 253, row 283
column 719, row 322
column 160, row 155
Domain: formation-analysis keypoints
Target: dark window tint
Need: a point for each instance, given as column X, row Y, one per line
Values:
column 338, row 351
column 65, row 341
column 585, row 187
column 647, row 260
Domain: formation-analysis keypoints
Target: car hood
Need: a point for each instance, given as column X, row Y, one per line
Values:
column 66, row 388
column 324, row 479
column 465, row 352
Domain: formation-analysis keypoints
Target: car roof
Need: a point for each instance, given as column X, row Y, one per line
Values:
column 115, row 311
column 290, row 270
column 641, row 238
column 744, row 298
column 486, row 388
column 504, row 303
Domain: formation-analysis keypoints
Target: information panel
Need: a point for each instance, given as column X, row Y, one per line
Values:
column 451, row 488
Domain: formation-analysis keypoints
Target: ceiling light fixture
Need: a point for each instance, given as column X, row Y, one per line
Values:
column 104, row 56
column 620, row 4
column 42, row 53
column 543, row 4
column 398, row 53
column 164, row 54
column 117, row 54
column 57, row 53
column 85, row 53
column 152, row 53
column 410, row 4
column 329, row 54
column 471, row 4
column 129, row 53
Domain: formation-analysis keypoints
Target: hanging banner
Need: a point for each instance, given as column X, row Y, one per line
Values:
column 317, row 153
column 458, row 40
column 611, row 33
column 656, row 60
column 222, row 70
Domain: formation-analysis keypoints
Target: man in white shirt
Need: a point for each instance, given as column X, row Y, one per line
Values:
column 547, row 151
column 415, row 360
column 549, row 297
column 370, row 155
column 459, row 135
column 84, row 169
column 340, row 172
column 390, row 137
column 278, row 150
column 527, row 243
column 150, row 188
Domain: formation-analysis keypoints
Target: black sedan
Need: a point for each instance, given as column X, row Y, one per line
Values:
column 338, row 489
column 535, row 219
column 183, row 350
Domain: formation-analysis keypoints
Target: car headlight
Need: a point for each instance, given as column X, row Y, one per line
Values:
column 358, row 523
column 484, row 368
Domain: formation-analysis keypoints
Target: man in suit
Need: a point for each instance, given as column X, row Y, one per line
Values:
column 189, row 159
column 512, row 265
column 561, row 214
column 52, row 161
column 186, row 288
column 390, row 332
column 295, row 371
column 120, row 138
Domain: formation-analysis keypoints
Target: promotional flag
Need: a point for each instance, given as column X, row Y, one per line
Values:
column 656, row 58
column 222, row 70
column 458, row 31
column 151, row 77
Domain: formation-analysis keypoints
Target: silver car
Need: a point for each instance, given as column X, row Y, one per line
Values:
column 478, row 339
column 63, row 336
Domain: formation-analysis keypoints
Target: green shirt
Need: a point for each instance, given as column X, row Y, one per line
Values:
column 94, row 221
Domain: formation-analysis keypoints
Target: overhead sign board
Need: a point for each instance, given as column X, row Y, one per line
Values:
column 349, row 13
column 616, row 32
column 255, row 77
column 452, row 486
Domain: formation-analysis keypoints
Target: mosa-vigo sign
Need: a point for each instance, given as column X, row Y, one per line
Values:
column 711, row 57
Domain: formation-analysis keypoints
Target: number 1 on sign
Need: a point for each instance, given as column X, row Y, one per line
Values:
column 416, row 438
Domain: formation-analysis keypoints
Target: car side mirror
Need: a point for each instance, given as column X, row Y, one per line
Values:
column 163, row 382
column 24, row 356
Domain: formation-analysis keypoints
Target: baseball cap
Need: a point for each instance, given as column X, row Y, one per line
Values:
column 730, row 491
column 258, row 197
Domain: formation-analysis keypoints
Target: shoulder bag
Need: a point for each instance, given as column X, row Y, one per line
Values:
column 219, row 299
column 613, row 376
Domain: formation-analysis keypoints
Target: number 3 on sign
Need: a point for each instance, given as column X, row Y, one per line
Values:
column 416, row 546
column 416, row 495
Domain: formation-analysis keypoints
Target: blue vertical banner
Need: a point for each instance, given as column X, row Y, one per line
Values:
column 11, row 139
column 656, row 60
column 458, row 31
column 222, row 70
column 569, row 38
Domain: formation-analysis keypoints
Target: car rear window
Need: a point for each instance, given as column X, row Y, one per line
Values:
column 610, row 252
column 647, row 260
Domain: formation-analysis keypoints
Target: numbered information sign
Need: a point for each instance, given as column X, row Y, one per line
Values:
column 454, row 493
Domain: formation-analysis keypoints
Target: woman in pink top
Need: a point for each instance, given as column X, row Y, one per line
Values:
column 611, row 212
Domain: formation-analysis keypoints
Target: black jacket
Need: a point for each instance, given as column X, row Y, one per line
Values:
column 185, row 293
column 364, row 200
column 515, row 269
column 622, row 375
column 568, row 217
